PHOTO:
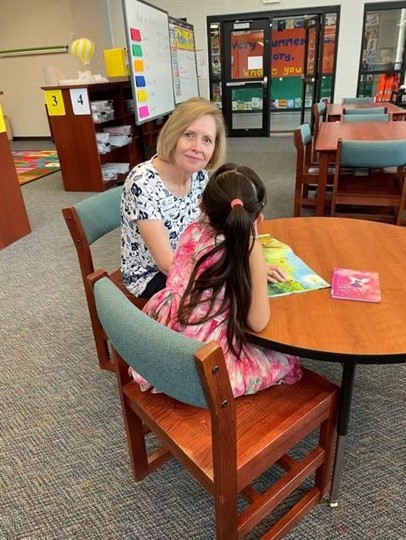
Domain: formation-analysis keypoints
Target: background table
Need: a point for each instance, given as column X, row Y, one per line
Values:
column 335, row 110
column 327, row 144
column 315, row 326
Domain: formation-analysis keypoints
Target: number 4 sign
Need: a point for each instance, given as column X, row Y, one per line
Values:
column 80, row 101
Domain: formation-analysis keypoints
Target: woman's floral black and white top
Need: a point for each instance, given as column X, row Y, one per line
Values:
column 146, row 197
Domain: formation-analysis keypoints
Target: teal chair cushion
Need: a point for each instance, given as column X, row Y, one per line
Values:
column 306, row 134
column 373, row 154
column 367, row 110
column 163, row 357
column 321, row 106
column 100, row 214
column 358, row 100
column 365, row 117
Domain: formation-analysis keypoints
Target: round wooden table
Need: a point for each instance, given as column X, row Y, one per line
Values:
column 315, row 326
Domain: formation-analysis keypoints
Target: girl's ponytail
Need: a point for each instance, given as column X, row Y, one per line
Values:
column 232, row 201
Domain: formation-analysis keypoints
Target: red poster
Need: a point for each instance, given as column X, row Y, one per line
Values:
column 287, row 52
column 245, row 45
column 328, row 49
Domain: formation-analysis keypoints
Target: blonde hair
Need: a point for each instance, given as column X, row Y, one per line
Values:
column 185, row 114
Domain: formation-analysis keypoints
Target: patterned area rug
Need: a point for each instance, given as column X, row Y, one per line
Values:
column 33, row 164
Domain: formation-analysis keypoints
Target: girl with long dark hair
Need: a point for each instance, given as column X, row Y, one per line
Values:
column 217, row 283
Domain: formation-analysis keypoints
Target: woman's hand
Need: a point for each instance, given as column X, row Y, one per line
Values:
column 275, row 274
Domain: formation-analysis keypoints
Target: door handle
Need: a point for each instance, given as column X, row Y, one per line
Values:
column 244, row 83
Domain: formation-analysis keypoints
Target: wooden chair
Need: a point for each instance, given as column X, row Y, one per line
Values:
column 307, row 172
column 88, row 221
column 366, row 117
column 319, row 115
column 348, row 100
column 367, row 110
column 377, row 193
column 226, row 443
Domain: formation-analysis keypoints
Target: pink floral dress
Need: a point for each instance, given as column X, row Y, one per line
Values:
column 256, row 368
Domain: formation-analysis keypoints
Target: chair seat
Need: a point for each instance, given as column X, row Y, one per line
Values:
column 271, row 414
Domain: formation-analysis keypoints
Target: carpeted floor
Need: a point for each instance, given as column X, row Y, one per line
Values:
column 64, row 468
column 33, row 164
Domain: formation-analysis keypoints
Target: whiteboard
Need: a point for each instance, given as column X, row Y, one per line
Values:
column 184, row 69
column 147, row 32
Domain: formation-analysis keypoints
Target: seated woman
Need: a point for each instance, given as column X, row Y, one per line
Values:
column 161, row 196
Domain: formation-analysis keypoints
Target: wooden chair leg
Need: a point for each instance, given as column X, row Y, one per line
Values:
column 327, row 440
column 297, row 199
column 133, row 425
column 226, row 516
column 100, row 339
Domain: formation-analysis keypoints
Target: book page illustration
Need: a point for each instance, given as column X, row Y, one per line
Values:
column 301, row 278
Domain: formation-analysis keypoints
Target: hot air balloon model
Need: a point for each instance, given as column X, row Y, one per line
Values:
column 83, row 49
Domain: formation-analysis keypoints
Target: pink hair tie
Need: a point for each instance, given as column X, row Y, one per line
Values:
column 236, row 202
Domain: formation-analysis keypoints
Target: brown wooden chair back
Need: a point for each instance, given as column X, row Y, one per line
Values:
column 88, row 221
column 319, row 115
column 307, row 172
column 225, row 443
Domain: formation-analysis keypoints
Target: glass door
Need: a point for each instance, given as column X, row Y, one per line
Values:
column 311, row 70
column 383, row 58
column 246, row 95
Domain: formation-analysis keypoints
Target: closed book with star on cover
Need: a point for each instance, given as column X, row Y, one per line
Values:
column 362, row 286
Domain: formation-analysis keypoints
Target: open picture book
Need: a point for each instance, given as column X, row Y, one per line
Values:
column 301, row 278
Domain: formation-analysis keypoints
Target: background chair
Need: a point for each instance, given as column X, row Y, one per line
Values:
column 225, row 443
column 307, row 172
column 366, row 117
column 367, row 110
column 319, row 115
column 376, row 193
column 88, row 221
column 358, row 100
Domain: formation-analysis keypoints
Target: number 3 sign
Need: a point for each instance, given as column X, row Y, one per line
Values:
column 54, row 101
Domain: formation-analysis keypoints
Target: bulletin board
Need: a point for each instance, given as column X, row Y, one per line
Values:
column 183, row 55
column 147, row 32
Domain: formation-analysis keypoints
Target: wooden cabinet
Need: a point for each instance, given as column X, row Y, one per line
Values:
column 14, row 222
column 74, row 136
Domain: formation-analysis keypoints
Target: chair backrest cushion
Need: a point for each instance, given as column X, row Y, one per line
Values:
column 321, row 107
column 366, row 117
column 376, row 154
column 162, row 356
column 100, row 214
column 358, row 100
column 305, row 134
column 366, row 110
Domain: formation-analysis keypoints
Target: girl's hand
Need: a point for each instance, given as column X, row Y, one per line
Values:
column 275, row 274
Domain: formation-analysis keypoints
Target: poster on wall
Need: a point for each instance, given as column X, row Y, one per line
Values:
column 369, row 52
column 247, row 51
column 184, row 68
column 287, row 51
